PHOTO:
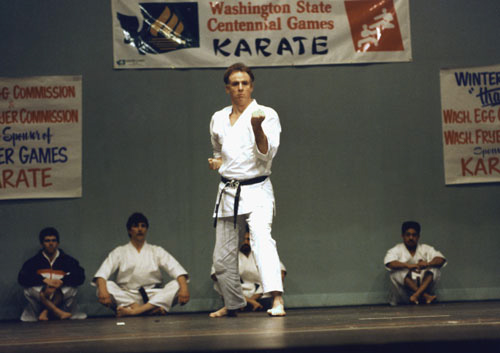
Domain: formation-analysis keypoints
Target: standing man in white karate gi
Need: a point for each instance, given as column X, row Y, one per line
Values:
column 138, row 288
column 414, row 268
column 245, row 138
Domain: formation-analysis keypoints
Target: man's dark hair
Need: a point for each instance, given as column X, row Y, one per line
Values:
column 410, row 225
column 237, row 67
column 135, row 219
column 45, row 232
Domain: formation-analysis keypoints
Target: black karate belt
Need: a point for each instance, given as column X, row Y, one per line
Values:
column 232, row 183
column 144, row 295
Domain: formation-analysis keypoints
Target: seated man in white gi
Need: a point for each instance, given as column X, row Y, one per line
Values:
column 138, row 288
column 251, row 282
column 50, row 279
column 414, row 268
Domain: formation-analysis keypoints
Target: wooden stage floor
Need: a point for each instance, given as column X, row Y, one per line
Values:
column 444, row 327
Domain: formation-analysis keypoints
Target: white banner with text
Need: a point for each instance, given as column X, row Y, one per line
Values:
column 184, row 34
column 470, row 102
column 40, row 137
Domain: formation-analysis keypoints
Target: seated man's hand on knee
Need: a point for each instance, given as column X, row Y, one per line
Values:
column 183, row 297
column 105, row 299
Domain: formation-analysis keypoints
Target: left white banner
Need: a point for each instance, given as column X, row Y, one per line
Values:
column 41, row 137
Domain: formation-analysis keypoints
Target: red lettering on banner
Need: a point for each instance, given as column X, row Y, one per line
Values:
column 6, row 175
column 480, row 167
column 374, row 25
column 492, row 163
column 452, row 137
column 28, row 178
column 9, row 117
column 294, row 23
column 484, row 115
column 307, row 7
column 451, row 116
column 44, row 92
column 487, row 136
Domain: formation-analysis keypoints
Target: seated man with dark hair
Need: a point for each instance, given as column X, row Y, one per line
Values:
column 50, row 279
column 138, row 288
column 414, row 267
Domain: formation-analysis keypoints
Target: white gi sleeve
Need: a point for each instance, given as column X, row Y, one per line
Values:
column 214, row 138
column 393, row 254
column 272, row 129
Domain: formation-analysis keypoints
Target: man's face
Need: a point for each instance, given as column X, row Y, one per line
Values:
column 50, row 244
column 240, row 88
column 138, row 231
column 245, row 247
column 410, row 238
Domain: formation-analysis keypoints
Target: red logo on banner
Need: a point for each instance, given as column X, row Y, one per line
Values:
column 374, row 25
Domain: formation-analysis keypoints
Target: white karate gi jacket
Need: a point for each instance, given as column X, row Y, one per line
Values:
column 139, row 269
column 241, row 159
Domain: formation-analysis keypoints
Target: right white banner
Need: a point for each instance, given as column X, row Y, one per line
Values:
column 470, row 101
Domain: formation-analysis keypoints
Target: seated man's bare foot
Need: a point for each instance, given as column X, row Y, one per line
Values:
column 255, row 306
column 429, row 298
column 414, row 299
column 158, row 311
column 63, row 315
column 44, row 315
column 125, row 311
column 219, row 313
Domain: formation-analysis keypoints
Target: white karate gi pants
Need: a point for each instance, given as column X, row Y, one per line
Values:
column 225, row 257
column 399, row 294
column 161, row 297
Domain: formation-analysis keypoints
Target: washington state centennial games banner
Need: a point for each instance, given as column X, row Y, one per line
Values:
column 183, row 34
column 40, row 137
column 470, row 101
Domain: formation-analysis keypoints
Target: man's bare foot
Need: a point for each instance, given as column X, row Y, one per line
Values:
column 255, row 306
column 414, row 299
column 125, row 311
column 429, row 298
column 158, row 311
column 44, row 315
column 277, row 310
column 63, row 315
column 219, row 313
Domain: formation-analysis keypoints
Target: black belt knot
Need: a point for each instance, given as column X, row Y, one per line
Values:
column 233, row 183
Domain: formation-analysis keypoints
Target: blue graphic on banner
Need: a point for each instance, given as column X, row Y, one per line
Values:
column 164, row 27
